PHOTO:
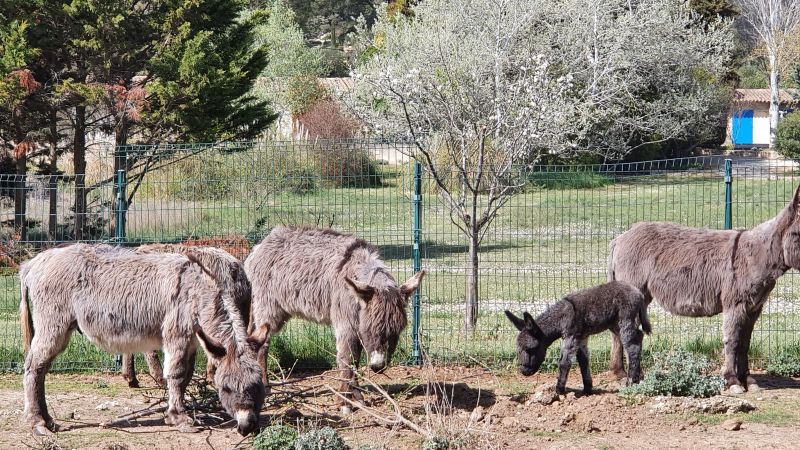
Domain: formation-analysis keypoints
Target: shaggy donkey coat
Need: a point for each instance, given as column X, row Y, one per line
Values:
column 700, row 272
column 222, row 265
column 614, row 306
column 329, row 278
column 125, row 302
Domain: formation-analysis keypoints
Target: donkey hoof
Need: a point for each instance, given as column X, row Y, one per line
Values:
column 735, row 390
column 188, row 428
column 133, row 384
column 45, row 430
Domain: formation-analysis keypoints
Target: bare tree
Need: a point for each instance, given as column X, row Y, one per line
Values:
column 772, row 22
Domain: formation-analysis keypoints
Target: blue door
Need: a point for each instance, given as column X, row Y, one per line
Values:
column 742, row 127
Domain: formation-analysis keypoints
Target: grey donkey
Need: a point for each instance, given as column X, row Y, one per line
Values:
column 226, row 268
column 125, row 302
column 330, row 278
column 700, row 272
column 614, row 306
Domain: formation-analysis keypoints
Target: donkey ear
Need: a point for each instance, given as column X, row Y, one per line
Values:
column 531, row 324
column 412, row 284
column 258, row 337
column 363, row 290
column 796, row 200
column 215, row 349
column 519, row 323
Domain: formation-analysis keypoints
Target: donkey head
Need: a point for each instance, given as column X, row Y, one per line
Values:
column 238, row 378
column 382, row 317
column 531, row 348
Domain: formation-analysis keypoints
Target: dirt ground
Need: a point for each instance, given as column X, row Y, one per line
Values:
column 475, row 408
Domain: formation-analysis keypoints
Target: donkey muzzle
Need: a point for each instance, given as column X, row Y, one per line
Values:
column 246, row 421
column 377, row 362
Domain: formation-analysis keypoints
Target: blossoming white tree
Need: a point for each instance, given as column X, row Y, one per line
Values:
column 484, row 88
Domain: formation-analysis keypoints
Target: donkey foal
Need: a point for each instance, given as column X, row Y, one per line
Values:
column 615, row 306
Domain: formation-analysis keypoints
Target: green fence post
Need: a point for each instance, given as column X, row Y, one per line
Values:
column 728, row 195
column 416, row 230
column 119, row 229
column 120, row 184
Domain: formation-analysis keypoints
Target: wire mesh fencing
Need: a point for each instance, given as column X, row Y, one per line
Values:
column 550, row 238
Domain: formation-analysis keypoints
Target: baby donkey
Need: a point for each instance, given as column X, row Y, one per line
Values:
column 615, row 306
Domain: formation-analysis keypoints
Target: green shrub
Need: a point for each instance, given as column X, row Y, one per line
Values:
column 436, row 443
column 346, row 165
column 275, row 437
column 786, row 363
column 787, row 139
column 678, row 373
column 303, row 92
column 325, row 438
column 578, row 179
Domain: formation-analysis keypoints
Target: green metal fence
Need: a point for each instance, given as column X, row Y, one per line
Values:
column 551, row 238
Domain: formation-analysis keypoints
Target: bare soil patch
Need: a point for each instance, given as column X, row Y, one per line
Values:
column 475, row 407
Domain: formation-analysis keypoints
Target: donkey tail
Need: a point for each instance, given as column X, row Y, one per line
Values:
column 25, row 319
column 612, row 247
column 643, row 317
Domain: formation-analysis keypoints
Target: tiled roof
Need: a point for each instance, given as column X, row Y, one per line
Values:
column 787, row 96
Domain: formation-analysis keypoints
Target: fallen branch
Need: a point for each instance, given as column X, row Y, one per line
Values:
column 399, row 418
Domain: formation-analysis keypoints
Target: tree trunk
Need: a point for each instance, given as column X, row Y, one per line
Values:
column 471, row 316
column 21, row 163
column 79, row 163
column 52, row 222
column 774, row 99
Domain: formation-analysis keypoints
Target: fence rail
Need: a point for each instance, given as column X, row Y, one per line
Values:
column 550, row 238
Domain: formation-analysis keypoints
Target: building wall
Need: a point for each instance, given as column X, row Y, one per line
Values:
column 760, row 122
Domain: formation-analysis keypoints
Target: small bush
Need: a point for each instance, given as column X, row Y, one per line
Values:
column 787, row 139
column 436, row 443
column 578, row 179
column 326, row 120
column 678, row 373
column 346, row 165
column 786, row 363
column 303, row 92
column 275, row 437
column 325, row 438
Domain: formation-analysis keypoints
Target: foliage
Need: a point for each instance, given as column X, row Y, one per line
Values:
column 436, row 443
column 275, row 437
column 325, row 438
column 751, row 76
column 277, row 31
column 787, row 139
column 786, row 363
column 573, row 179
column 325, row 120
column 346, row 165
column 678, row 373
column 303, row 92
column 329, row 21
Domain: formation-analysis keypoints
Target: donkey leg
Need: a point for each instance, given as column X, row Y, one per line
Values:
column 616, row 365
column 129, row 370
column 583, row 362
column 348, row 352
column 743, row 359
column 632, row 338
column 154, row 367
column 44, row 348
column 177, row 374
column 733, row 322
column 569, row 346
